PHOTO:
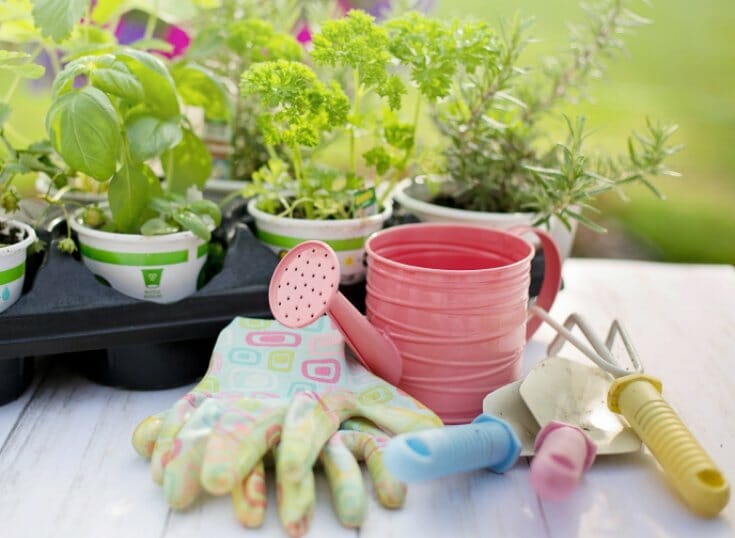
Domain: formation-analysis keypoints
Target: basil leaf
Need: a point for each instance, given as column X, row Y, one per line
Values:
column 56, row 18
column 207, row 207
column 193, row 222
column 18, row 63
column 199, row 87
column 113, row 76
column 64, row 82
column 158, row 226
column 158, row 86
column 189, row 163
column 83, row 128
column 129, row 194
column 149, row 136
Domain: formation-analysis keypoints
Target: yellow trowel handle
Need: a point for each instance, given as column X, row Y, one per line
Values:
column 694, row 475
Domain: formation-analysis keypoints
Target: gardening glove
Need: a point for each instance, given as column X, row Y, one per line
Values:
column 217, row 435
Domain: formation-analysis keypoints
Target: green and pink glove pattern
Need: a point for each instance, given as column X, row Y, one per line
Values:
column 271, row 388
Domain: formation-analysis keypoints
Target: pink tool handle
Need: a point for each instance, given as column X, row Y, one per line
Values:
column 373, row 348
column 552, row 274
column 563, row 453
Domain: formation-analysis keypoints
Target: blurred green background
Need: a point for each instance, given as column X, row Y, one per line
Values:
column 680, row 69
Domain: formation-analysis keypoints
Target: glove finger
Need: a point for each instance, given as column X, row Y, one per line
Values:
column 296, row 502
column 345, row 482
column 178, row 415
column 243, row 435
column 366, row 447
column 182, row 471
column 309, row 423
column 360, row 424
column 146, row 433
column 393, row 410
column 250, row 498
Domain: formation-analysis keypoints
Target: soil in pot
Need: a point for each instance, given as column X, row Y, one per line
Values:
column 9, row 235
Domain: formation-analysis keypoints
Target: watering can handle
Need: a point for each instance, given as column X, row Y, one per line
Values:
column 552, row 274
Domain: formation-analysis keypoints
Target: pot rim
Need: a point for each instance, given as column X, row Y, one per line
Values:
column 257, row 214
column 23, row 243
column 406, row 200
column 79, row 227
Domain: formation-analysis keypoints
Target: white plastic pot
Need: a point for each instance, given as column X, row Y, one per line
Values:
column 346, row 236
column 161, row 268
column 414, row 196
column 13, row 264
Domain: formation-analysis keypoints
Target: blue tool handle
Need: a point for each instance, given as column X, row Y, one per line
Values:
column 488, row 442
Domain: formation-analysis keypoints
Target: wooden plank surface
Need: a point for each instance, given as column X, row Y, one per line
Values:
column 67, row 468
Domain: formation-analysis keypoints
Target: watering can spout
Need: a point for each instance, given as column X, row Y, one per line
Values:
column 305, row 286
column 373, row 348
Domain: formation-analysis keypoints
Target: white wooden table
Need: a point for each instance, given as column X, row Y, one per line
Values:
column 67, row 468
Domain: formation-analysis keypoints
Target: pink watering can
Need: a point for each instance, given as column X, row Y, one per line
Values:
column 447, row 307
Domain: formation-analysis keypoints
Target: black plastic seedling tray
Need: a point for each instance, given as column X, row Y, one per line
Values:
column 124, row 342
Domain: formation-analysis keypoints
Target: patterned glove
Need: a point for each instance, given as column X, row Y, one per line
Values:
column 266, row 384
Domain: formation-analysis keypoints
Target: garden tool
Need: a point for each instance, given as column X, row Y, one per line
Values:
column 447, row 307
column 265, row 380
column 488, row 442
column 637, row 397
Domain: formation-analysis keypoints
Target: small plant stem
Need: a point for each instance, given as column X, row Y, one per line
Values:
column 150, row 25
column 16, row 80
column 298, row 170
column 7, row 144
column 66, row 218
column 409, row 151
column 355, row 113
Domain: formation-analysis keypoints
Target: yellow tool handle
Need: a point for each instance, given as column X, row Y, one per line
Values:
column 691, row 471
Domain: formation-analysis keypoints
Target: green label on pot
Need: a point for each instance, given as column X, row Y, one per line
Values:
column 364, row 203
column 134, row 258
column 287, row 242
column 152, row 277
column 152, row 281
column 12, row 274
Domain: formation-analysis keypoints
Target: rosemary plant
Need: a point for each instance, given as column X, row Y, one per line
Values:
column 493, row 122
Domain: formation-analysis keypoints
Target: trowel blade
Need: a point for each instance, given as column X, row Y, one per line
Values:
column 576, row 393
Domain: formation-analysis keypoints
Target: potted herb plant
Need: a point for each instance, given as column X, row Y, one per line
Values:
column 498, row 169
column 16, row 237
column 58, row 34
column 111, row 114
column 305, row 199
